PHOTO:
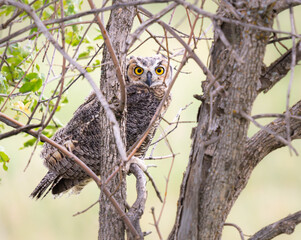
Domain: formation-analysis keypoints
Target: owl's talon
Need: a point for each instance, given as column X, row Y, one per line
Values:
column 70, row 145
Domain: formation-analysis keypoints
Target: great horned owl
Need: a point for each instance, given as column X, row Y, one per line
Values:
column 146, row 82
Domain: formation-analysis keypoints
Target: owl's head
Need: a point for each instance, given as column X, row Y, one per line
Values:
column 153, row 72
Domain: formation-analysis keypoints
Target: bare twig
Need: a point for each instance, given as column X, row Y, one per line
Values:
column 18, row 130
column 238, row 229
column 287, row 113
column 154, row 185
column 147, row 23
column 85, row 210
column 168, row 177
column 273, row 115
column 156, row 223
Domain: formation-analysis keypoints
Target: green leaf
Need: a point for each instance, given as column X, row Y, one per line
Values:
column 31, row 76
column 64, row 99
column 98, row 37
column 96, row 64
column 89, row 69
column 83, row 55
column 4, row 158
column 29, row 143
column 31, row 86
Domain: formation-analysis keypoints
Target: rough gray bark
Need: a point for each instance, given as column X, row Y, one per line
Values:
column 118, row 28
column 210, row 184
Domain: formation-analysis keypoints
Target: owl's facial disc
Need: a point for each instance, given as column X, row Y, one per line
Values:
column 154, row 72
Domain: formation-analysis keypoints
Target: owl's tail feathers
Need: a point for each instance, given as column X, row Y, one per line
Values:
column 48, row 181
column 64, row 185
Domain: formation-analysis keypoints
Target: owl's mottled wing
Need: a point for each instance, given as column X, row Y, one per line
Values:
column 83, row 137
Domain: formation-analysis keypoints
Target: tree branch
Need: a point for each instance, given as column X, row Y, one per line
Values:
column 278, row 69
column 282, row 5
column 286, row 225
column 137, row 209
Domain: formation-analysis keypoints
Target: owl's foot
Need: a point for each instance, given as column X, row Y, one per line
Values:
column 139, row 162
column 70, row 145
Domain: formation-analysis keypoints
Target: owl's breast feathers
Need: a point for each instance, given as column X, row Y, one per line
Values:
column 142, row 103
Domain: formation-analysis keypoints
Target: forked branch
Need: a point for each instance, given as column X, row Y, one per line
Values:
column 278, row 69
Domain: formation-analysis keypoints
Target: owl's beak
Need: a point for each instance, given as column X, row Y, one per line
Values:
column 149, row 76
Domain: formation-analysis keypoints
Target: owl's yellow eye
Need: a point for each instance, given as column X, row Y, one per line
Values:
column 138, row 70
column 159, row 70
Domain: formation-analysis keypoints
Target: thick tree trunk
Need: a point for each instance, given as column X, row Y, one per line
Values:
column 209, row 186
column 118, row 28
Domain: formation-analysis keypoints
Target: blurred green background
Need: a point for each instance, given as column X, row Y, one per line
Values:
column 273, row 192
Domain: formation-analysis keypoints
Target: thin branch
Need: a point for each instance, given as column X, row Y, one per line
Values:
column 85, row 210
column 159, row 158
column 238, row 229
column 111, row 50
column 286, row 225
column 293, row 62
column 18, row 130
column 151, row 35
column 168, row 177
column 227, row 44
column 144, row 25
column 150, row 178
column 156, row 223
column 273, row 115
